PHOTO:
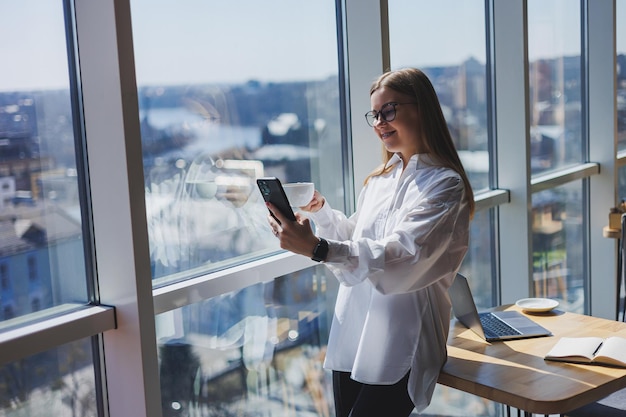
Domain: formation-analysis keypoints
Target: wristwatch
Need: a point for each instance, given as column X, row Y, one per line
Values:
column 321, row 251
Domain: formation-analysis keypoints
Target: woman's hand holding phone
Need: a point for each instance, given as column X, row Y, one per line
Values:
column 295, row 236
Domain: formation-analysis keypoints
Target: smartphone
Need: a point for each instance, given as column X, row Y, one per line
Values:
column 273, row 192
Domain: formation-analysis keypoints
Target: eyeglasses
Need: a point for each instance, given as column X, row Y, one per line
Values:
column 387, row 113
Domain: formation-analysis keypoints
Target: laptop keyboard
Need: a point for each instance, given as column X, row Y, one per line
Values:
column 493, row 326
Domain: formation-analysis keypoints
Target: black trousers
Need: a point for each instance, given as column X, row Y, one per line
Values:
column 354, row 399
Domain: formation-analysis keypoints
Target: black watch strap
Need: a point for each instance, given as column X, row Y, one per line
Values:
column 321, row 251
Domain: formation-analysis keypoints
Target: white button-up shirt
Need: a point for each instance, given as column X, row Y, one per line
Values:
column 395, row 258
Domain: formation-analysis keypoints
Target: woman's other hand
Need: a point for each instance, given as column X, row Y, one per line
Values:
column 317, row 202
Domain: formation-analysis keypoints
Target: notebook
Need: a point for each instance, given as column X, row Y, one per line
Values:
column 491, row 326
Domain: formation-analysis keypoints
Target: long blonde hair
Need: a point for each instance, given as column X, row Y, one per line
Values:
column 433, row 129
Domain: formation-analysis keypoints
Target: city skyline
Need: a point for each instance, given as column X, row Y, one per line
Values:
column 155, row 36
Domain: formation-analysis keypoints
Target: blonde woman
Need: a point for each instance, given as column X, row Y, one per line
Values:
column 395, row 257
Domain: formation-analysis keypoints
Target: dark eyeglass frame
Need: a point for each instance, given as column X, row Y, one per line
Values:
column 372, row 116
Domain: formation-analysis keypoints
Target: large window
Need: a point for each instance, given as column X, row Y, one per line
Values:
column 58, row 382
column 41, row 250
column 258, row 348
column 222, row 104
column 554, row 45
column 621, row 90
column 556, row 141
column 558, row 261
column 620, row 6
column 457, row 67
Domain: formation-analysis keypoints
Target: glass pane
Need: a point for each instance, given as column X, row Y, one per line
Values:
column 455, row 65
column 558, row 246
column 59, row 382
column 222, row 104
column 259, row 348
column 621, row 74
column 554, row 45
column 41, row 248
column 621, row 178
column 478, row 263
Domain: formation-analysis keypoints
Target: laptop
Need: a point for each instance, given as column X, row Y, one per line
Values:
column 491, row 326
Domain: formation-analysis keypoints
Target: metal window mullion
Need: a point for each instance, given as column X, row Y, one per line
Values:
column 510, row 69
column 345, row 117
column 113, row 143
column 602, row 127
column 365, row 62
column 80, row 149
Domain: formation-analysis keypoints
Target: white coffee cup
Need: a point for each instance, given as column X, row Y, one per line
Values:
column 299, row 194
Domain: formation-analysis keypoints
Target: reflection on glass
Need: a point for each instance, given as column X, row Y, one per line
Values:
column 425, row 34
column 222, row 104
column 558, row 246
column 41, row 248
column 555, row 85
column 259, row 348
column 620, row 7
column 59, row 382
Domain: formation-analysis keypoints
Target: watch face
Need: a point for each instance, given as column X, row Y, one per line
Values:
column 321, row 251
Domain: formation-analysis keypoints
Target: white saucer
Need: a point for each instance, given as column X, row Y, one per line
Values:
column 536, row 305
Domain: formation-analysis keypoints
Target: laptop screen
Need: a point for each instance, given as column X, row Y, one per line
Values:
column 463, row 305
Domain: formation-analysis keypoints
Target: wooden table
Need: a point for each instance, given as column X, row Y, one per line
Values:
column 514, row 373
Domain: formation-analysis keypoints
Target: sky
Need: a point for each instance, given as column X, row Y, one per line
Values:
column 195, row 41
column 32, row 45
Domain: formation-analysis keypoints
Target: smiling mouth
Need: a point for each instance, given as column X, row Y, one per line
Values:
column 386, row 135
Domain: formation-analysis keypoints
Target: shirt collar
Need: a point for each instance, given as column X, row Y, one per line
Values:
column 420, row 160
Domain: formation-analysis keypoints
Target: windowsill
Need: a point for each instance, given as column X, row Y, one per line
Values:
column 63, row 324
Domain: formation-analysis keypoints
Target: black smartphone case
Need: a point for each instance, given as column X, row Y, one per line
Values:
column 273, row 192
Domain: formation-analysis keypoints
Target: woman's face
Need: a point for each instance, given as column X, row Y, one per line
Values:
column 401, row 134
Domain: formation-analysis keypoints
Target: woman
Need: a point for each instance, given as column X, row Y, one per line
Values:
column 395, row 257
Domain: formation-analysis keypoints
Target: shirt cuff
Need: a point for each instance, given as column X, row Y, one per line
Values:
column 338, row 252
column 323, row 217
